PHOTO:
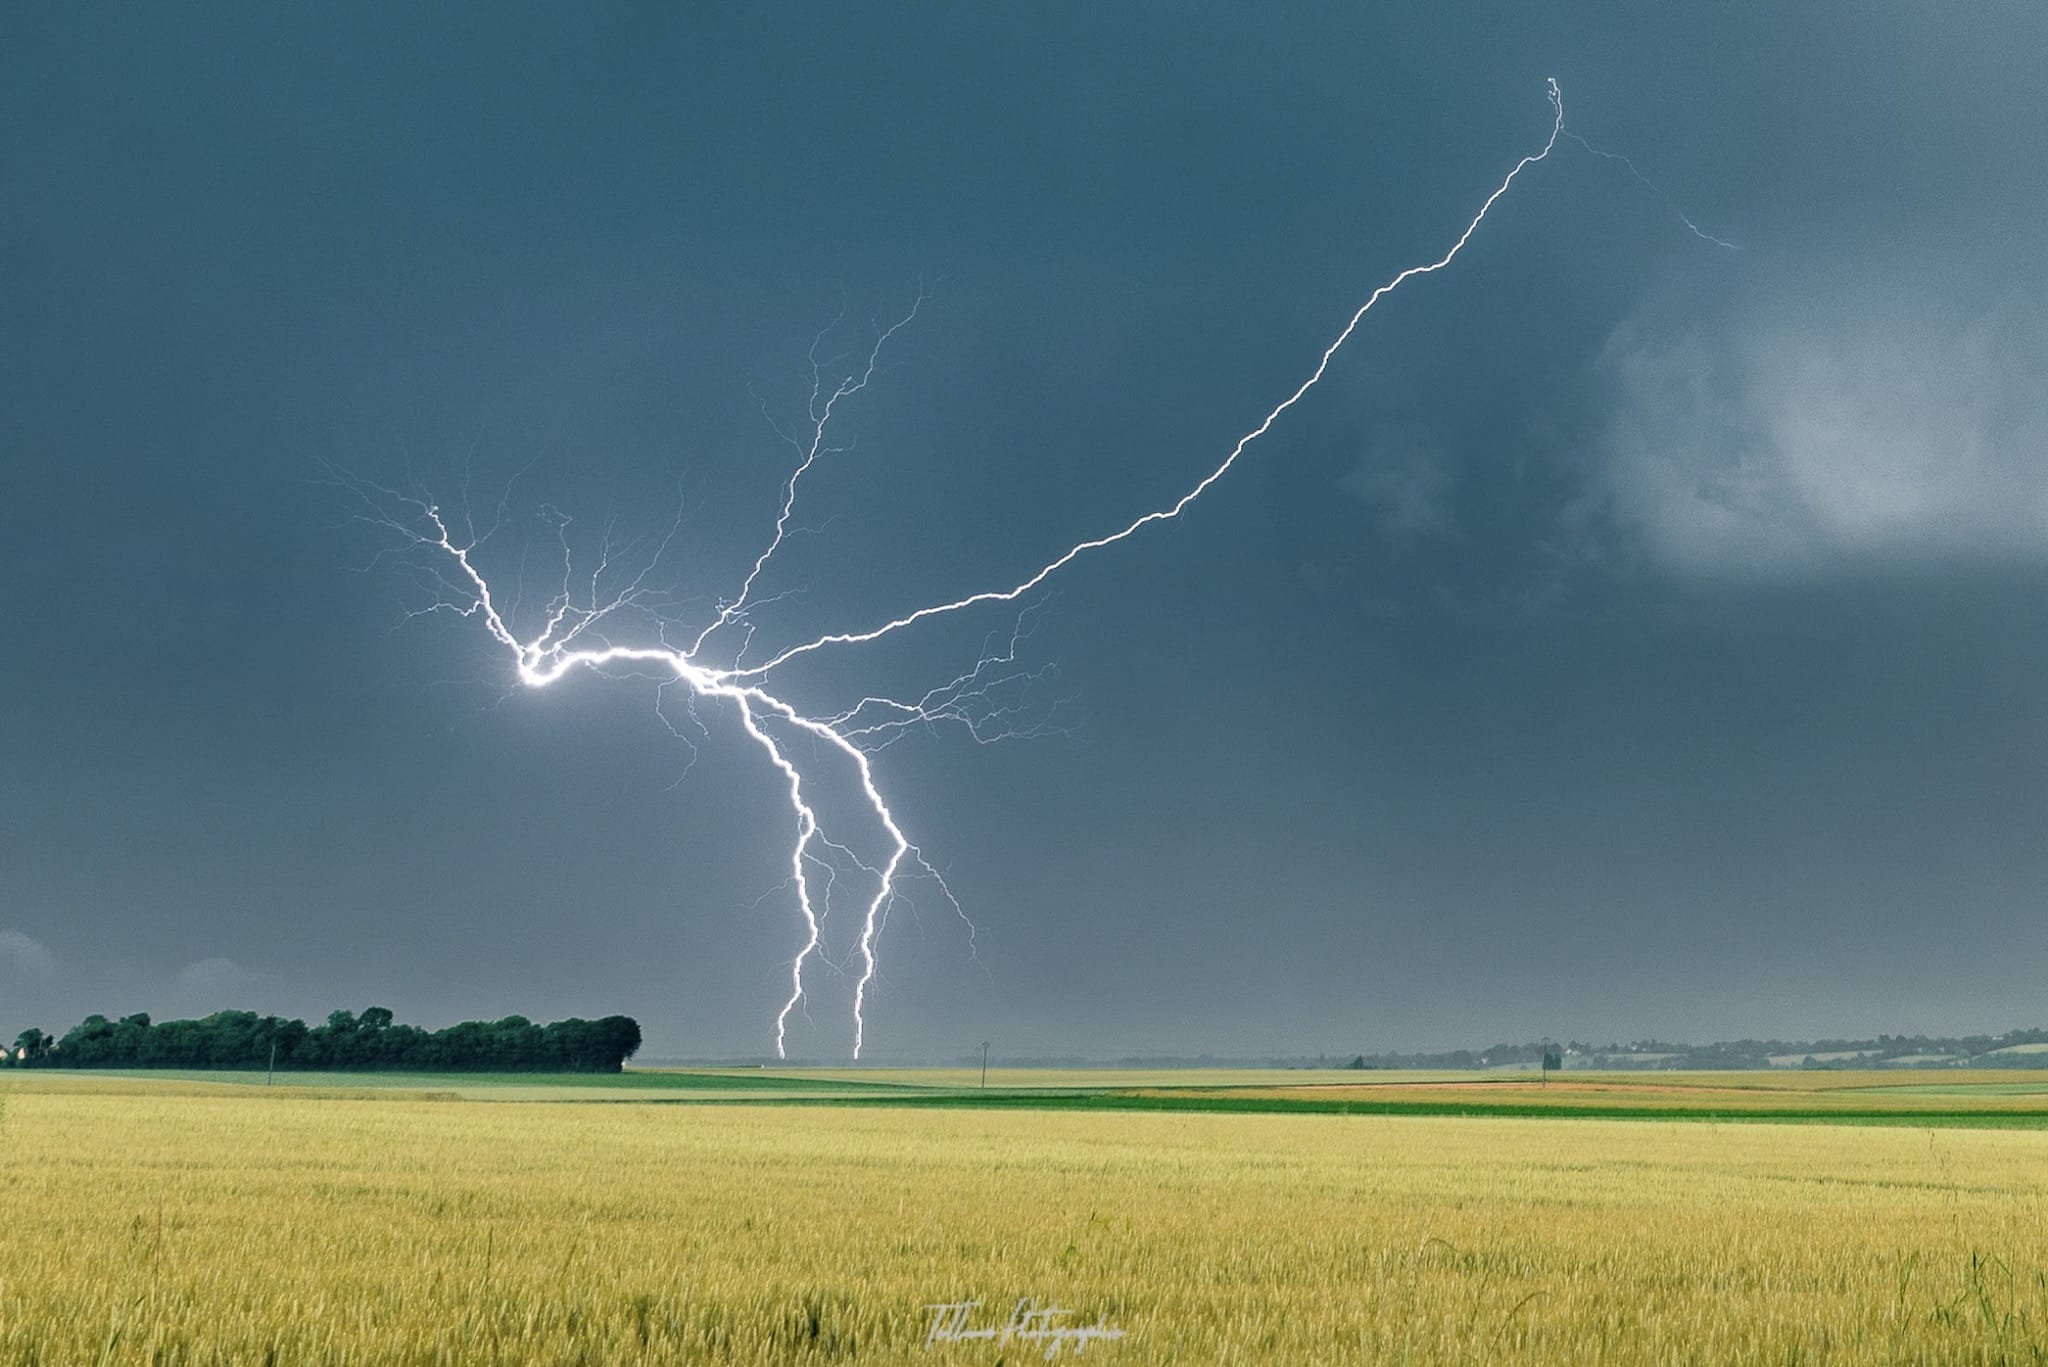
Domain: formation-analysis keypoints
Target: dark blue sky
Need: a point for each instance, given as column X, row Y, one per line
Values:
column 1630, row 637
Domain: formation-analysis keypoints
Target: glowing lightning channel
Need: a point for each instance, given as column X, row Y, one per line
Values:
column 1180, row 505
column 821, row 419
column 1654, row 189
column 576, row 619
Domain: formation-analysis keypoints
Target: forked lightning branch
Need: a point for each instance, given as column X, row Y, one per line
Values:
column 607, row 616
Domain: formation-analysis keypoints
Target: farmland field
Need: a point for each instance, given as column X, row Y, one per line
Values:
column 748, row 1217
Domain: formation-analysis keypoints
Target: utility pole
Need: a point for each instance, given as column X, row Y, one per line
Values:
column 984, row 1065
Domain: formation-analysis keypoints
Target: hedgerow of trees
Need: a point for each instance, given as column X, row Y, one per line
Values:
column 242, row 1039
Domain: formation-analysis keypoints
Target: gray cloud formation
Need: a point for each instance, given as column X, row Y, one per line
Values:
column 1798, row 434
column 1408, row 483
column 27, row 954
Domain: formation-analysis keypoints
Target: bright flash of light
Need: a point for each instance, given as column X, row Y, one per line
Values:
column 580, row 625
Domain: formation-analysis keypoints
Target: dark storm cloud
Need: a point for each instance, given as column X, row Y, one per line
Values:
column 1631, row 637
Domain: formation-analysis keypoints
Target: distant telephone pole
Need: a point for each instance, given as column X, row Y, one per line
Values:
column 984, row 1065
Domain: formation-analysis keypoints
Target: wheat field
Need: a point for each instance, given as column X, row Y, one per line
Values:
column 176, row 1223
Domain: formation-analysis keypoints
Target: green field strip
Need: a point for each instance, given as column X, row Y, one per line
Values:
column 1477, row 1110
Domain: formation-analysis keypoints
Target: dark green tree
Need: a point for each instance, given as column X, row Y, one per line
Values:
column 244, row 1040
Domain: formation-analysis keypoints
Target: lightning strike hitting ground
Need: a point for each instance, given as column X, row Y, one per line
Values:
column 441, row 548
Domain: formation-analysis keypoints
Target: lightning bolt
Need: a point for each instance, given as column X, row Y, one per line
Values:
column 1180, row 505
column 1654, row 189
column 441, row 550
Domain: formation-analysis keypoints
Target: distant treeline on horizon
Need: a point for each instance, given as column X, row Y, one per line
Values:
column 371, row 1041
column 2013, row 1049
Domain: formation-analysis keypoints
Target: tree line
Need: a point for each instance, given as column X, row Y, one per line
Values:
column 2009, row 1050
column 370, row 1041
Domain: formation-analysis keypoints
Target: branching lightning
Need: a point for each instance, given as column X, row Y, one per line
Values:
column 576, row 629
column 1654, row 189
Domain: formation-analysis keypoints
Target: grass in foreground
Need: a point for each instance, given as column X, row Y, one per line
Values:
column 186, row 1225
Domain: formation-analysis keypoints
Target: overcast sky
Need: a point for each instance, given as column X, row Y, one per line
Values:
column 1631, row 636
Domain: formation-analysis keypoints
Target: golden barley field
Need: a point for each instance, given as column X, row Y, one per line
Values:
column 191, row 1223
